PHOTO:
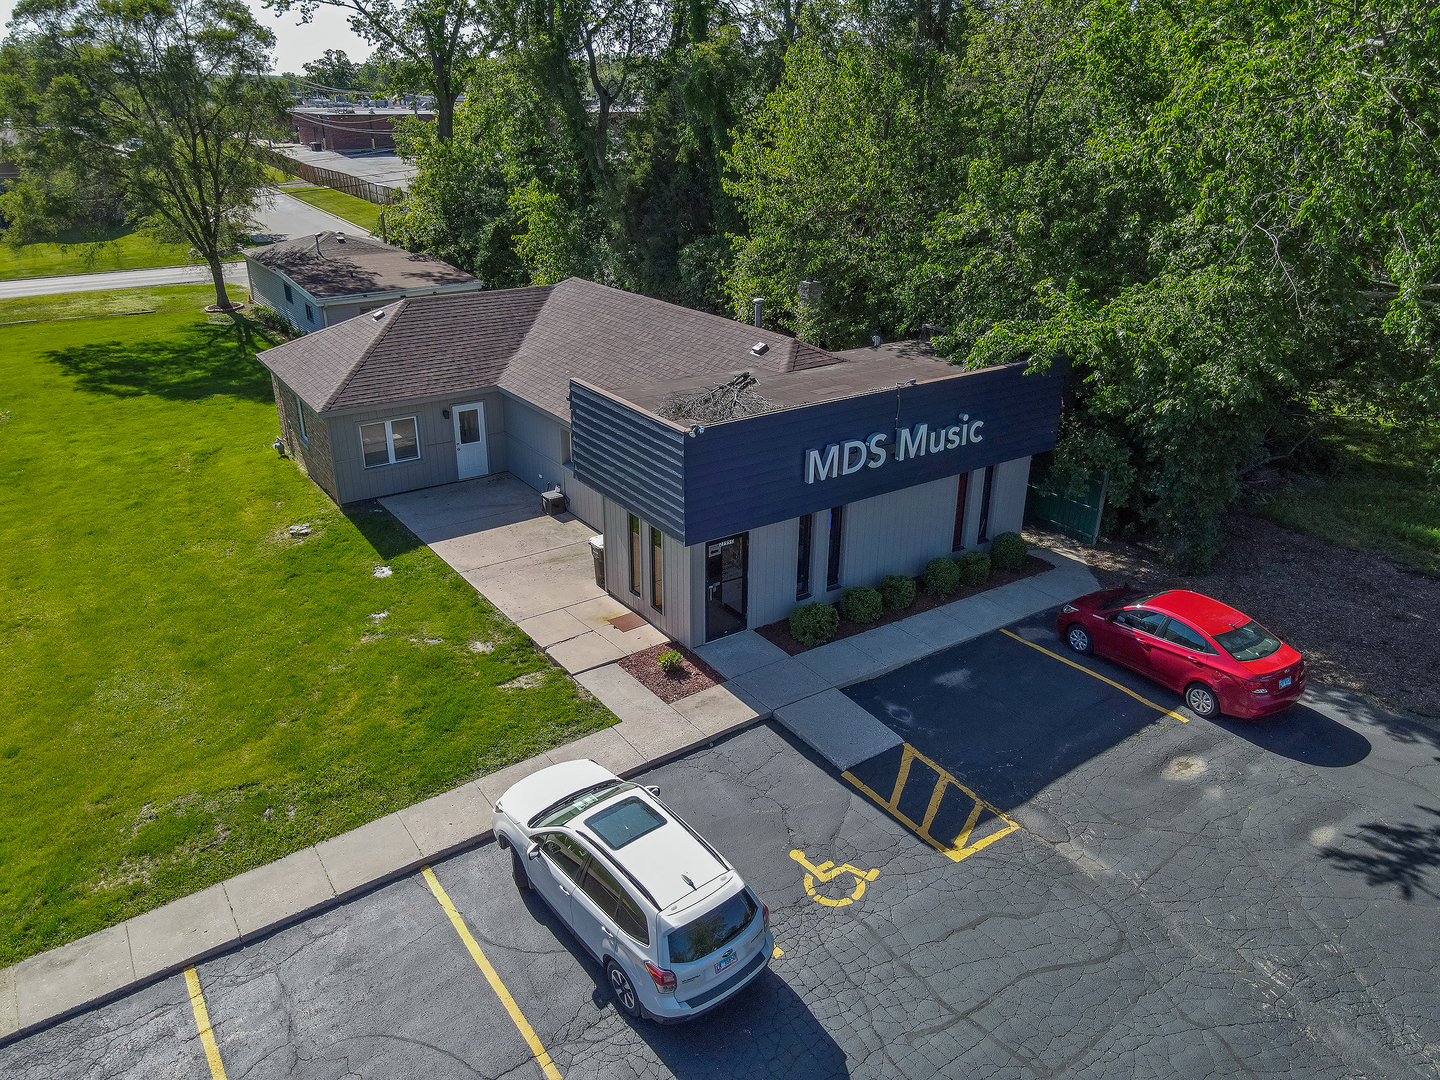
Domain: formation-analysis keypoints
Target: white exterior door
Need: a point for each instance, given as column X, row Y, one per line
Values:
column 470, row 453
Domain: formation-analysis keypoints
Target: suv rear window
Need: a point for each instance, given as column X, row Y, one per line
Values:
column 1249, row 642
column 627, row 820
column 713, row 930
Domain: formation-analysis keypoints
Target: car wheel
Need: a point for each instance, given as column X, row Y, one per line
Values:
column 626, row 1000
column 1078, row 638
column 518, row 871
column 1201, row 700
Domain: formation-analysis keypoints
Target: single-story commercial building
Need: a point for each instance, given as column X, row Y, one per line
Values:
column 340, row 127
column 733, row 471
column 318, row 281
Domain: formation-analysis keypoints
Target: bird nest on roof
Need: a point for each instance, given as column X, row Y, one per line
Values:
column 714, row 404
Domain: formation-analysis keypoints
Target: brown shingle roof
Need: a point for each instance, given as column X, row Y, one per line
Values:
column 355, row 265
column 530, row 341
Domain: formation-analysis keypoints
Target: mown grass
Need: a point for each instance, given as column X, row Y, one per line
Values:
column 189, row 690
column 116, row 247
column 1372, row 494
column 360, row 211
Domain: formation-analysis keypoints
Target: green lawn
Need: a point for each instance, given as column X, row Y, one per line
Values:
column 362, row 213
column 188, row 690
column 117, row 248
column 1375, row 495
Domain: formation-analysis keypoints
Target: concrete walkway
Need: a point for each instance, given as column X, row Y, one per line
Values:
column 536, row 569
column 800, row 692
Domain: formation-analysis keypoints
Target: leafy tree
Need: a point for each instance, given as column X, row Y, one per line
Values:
column 159, row 104
column 427, row 44
column 334, row 70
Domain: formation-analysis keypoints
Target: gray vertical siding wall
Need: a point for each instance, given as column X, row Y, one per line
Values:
column 677, row 619
column 771, row 586
column 268, row 288
column 436, row 464
column 586, row 503
column 897, row 533
column 534, row 445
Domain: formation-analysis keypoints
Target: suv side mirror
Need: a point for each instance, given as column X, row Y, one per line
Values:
column 532, row 852
column 653, row 790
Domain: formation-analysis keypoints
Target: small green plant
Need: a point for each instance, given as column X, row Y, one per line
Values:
column 1007, row 551
column 942, row 577
column 670, row 662
column 814, row 623
column 897, row 591
column 860, row 604
column 271, row 319
column 973, row 568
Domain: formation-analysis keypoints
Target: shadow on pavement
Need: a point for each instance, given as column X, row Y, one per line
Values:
column 1401, row 855
column 1302, row 734
column 764, row 1030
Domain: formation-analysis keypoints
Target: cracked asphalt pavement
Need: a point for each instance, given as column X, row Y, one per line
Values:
column 1182, row 899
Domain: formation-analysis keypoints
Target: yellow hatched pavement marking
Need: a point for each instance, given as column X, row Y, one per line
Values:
column 1096, row 675
column 491, row 976
column 202, row 1021
column 959, row 848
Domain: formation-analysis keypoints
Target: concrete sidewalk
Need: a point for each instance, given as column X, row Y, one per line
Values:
column 801, row 692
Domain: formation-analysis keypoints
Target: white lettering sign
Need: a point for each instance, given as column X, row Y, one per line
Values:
column 852, row 455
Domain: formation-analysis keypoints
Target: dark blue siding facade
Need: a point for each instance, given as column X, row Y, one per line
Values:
column 748, row 473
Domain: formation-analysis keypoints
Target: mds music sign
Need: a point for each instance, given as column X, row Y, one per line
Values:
column 852, row 455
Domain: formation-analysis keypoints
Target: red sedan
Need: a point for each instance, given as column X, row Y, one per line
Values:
column 1222, row 661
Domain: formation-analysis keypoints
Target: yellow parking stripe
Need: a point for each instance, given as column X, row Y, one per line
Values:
column 491, row 976
column 1096, row 675
column 202, row 1021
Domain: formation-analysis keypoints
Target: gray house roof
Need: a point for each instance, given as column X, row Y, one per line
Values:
column 530, row 341
column 343, row 264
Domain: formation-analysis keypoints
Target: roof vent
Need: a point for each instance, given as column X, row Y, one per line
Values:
column 378, row 315
column 340, row 237
column 876, row 341
column 759, row 348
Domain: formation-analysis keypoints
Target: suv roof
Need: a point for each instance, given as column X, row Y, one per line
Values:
column 662, row 858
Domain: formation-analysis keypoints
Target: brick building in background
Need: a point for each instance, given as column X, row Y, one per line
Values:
column 342, row 128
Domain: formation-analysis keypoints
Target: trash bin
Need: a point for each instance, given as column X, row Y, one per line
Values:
column 597, row 553
column 553, row 502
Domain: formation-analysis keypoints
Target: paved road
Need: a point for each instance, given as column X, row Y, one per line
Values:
column 1187, row 899
column 280, row 216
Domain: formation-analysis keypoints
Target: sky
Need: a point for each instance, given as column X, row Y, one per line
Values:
column 294, row 44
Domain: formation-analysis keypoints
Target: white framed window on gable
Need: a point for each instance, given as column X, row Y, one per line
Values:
column 386, row 442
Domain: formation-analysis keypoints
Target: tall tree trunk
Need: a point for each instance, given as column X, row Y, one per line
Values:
column 217, row 275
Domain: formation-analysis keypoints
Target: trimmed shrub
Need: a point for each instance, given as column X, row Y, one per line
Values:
column 271, row 319
column 973, row 568
column 670, row 662
column 942, row 577
column 860, row 604
column 1007, row 551
column 897, row 591
column 814, row 623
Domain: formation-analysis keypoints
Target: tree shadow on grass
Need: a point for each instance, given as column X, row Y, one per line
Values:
column 1401, row 855
column 198, row 363
column 384, row 531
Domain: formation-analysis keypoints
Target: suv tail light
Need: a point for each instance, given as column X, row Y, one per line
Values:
column 664, row 980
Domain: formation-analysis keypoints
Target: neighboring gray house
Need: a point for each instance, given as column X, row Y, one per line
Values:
column 833, row 470
column 318, row 281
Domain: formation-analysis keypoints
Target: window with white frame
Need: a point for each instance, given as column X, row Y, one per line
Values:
column 386, row 442
column 300, row 412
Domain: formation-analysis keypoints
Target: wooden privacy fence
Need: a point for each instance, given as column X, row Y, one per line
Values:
column 382, row 194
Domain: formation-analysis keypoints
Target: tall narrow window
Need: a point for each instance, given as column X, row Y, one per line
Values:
column 634, row 555
column 289, row 296
column 802, row 558
column 985, row 497
column 832, row 571
column 958, row 541
column 309, row 313
column 657, row 569
column 300, row 412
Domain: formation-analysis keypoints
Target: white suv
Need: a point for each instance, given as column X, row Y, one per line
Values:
column 675, row 928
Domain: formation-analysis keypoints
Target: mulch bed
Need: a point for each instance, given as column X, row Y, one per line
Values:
column 1360, row 621
column 778, row 633
column 695, row 676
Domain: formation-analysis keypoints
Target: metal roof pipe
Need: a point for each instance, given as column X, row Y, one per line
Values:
column 759, row 308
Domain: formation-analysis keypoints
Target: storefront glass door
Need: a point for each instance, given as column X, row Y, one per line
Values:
column 725, row 567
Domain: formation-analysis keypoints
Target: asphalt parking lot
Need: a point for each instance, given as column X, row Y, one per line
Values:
column 1136, row 894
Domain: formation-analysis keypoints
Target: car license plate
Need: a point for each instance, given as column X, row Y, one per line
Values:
column 725, row 961
column 1284, row 682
